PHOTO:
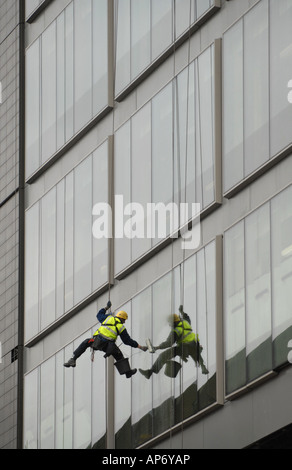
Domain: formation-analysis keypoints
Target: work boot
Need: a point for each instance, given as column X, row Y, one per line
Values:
column 130, row 373
column 146, row 373
column 70, row 363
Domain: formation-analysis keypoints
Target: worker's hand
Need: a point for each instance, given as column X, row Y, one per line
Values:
column 108, row 305
column 143, row 348
column 181, row 309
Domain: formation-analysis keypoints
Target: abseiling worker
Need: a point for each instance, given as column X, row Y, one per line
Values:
column 104, row 339
column 186, row 344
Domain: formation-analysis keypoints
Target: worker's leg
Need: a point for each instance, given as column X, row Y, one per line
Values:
column 77, row 353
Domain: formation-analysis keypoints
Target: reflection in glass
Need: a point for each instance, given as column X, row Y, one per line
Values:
column 30, row 410
column 47, row 404
column 82, row 400
column 67, row 67
column 281, row 59
column 281, row 219
column 233, row 105
column 258, row 293
column 234, row 308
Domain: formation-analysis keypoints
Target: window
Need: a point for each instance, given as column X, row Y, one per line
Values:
column 67, row 79
column 257, row 292
column 65, row 263
column 164, row 155
column 153, row 404
column 145, row 30
column 256, row 68
column 62, row 410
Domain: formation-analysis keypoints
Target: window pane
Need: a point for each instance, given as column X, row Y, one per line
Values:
column 69, row 71
column 48, row 92
column 30, row 426
column 83, row 63
column 100, row 194
column 256, row 87
column 47, row 404
column 140, row 36
column 32, row 271
column 82, row 398
column 48, row 258
column 100, row 56
column 82, row 229
column 59, row 426
column 60, row 249
column 282, row 274
column 233, row 105
column 32, row 116
column 99, row 395
column 182, row 16
column 205, row 85
column 123, row 395
column 60, row 80
column 163, row 403
column 123, row 47
column 281, row 60
column 69, row 248
column 234, row 308
column 258, row 294
column 141, row 388
column 141, row 179
column 122, row 185
column 162, row 151
column 161, row 26
column 202, row 7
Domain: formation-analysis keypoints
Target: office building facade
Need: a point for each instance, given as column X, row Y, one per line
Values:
column 153, row 168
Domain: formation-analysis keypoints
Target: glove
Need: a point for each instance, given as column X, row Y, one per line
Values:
column 144, row 348
column 108, row 305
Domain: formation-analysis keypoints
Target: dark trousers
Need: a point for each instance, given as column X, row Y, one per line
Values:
column 109, row 347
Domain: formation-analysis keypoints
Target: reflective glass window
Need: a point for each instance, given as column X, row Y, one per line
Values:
column 47, row 404
column 30, row 410
column 234, row 308
column 68, row 71
column 164, row 156
column 123, row 393
column 233, row 105
column 281, row 219
column 48, row 257
column 65, row 262
column 256, row 73
column 32, row 271
column 257, row 292
column 281, row 59
column 82, row 229
column 145, row 29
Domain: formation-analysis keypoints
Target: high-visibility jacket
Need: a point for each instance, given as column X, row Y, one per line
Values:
column 110, row 329
column 185, row 333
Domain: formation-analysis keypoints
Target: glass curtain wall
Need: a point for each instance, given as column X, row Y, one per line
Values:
column 67, row 85
column 257, row 292
column 146, row 29
column 179, row 386
column 256, row 71
column 64, row 262
column 164, row 156
column 62, row 409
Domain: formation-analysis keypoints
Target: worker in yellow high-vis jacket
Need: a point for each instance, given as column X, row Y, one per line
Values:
column 104, row 339
column 186, row 342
